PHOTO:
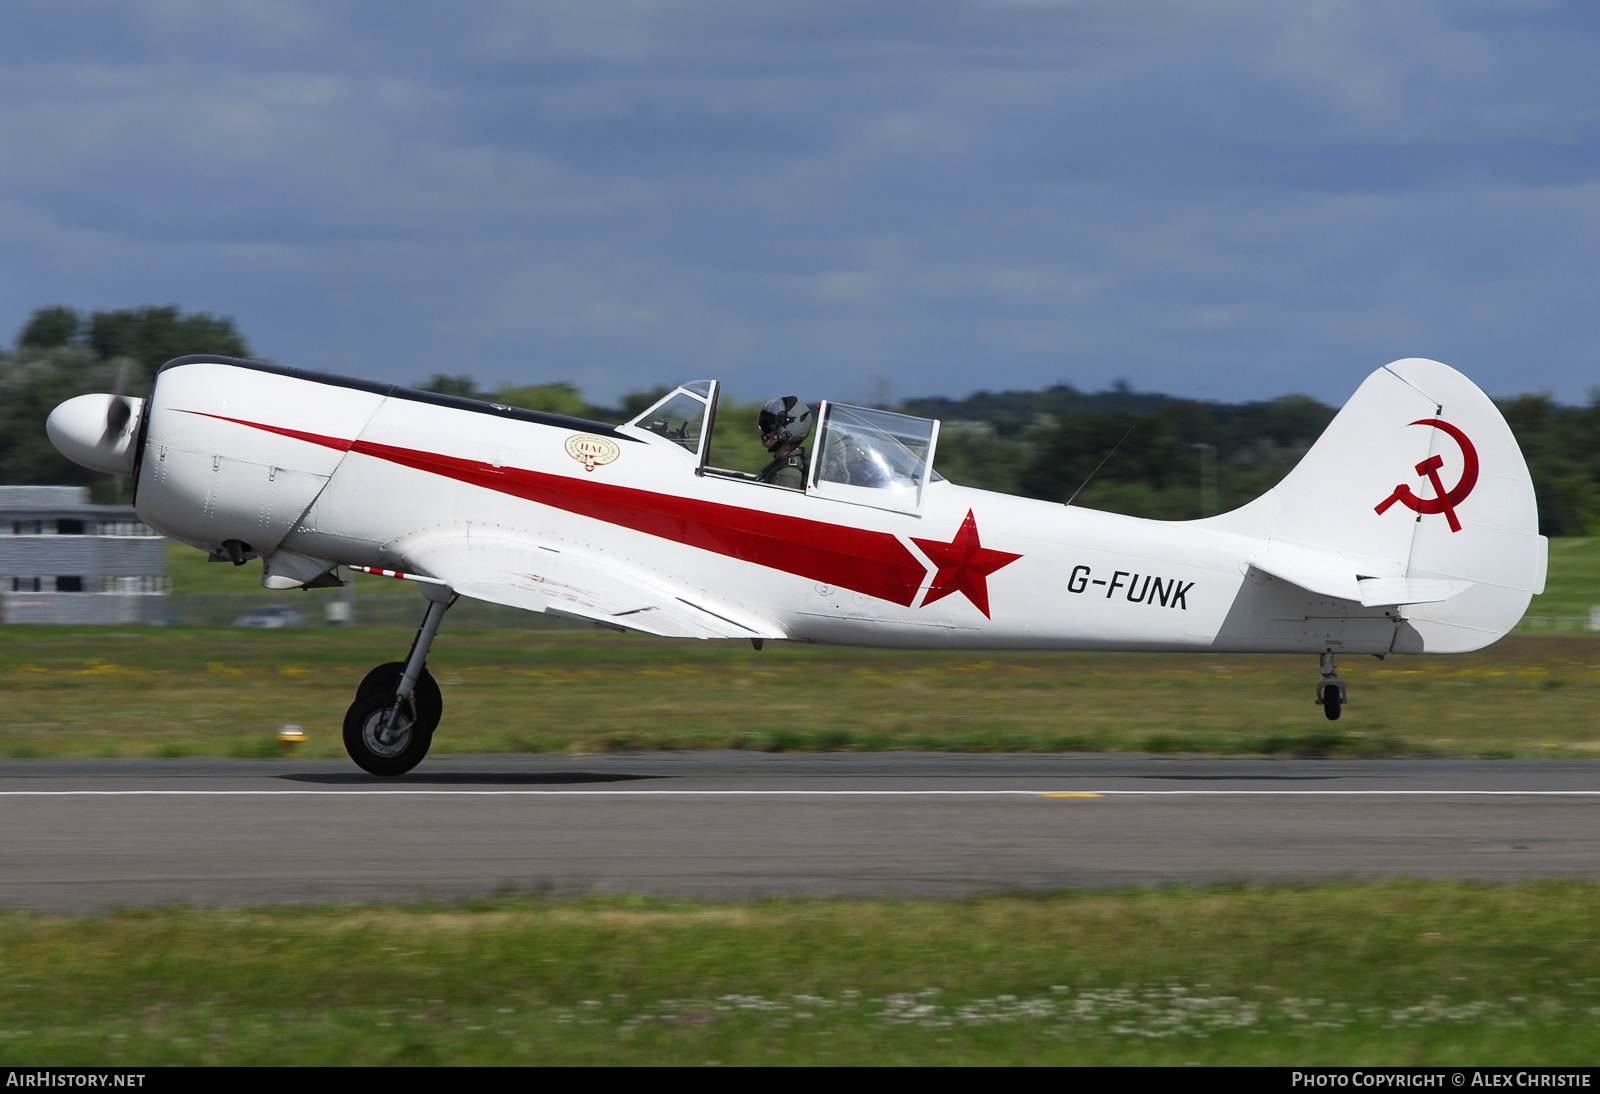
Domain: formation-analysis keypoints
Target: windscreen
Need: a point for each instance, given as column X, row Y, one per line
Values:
column 679, row 417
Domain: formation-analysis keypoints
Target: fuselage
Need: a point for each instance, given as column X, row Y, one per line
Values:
column 358, row 473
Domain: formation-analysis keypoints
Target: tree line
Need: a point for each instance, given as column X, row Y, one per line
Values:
column 60, row 353
column 1141, row 453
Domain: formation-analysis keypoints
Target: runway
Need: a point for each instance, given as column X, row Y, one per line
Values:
column 85, row 836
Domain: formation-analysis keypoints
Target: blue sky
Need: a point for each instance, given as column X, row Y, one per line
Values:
column 1225, row 200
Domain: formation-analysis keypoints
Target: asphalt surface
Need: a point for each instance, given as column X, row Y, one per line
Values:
column 90, row 835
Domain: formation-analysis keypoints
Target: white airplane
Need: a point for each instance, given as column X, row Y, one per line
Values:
column 1362, row 549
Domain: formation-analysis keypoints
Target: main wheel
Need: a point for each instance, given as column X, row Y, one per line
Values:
column 386, row 678
column 384, row 748
column 387, row 674
column 1331, row 701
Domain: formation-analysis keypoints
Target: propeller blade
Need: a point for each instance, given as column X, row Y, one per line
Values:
column 120, row 410
column 117, row 416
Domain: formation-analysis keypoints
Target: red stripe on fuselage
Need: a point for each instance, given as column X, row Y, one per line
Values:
column 875, row 563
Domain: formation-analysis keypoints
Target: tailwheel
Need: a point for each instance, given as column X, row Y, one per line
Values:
column 387, row 735
column 1331, row 692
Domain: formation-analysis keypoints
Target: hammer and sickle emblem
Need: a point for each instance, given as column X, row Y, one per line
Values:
column 1443, row 501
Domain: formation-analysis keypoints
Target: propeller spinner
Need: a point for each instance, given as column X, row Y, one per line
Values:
column 97, row 431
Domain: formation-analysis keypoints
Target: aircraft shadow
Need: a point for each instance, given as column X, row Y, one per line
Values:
column 468, row 778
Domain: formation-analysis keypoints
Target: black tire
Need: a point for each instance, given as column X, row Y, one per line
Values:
column 386, row 678
column 387, row 674
column 363, row 723
column 1331, row 702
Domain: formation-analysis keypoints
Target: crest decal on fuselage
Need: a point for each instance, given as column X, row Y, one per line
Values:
column 592, row 451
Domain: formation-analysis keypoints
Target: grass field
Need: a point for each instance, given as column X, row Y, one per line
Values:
column 1396, row 973
column 181, row 691
column 1573, row 587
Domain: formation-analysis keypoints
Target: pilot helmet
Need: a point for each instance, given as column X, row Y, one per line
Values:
column 787, row 418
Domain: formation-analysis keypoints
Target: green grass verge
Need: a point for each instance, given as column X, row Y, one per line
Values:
column 193, row 573
column 177, row 691
column 1573, row 585
column 1394, row 973
column 180, row 691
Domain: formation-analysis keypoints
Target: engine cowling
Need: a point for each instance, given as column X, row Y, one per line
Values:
column 233, row 456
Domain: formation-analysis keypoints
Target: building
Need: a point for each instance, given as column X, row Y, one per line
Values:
column 63, row 560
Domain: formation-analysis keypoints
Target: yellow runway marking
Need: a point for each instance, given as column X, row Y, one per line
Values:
column 1069, row 794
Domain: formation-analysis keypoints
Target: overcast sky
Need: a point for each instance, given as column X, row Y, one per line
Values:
column 1227, row 200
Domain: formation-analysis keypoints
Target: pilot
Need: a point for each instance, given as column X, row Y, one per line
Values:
column 785, row 423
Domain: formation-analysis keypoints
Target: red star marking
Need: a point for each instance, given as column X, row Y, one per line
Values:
column 963, row 565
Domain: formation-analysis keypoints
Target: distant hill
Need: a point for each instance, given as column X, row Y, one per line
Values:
column 1169, row 458
column 1012, row 411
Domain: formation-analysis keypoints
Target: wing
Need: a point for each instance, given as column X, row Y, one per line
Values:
column 538, row 577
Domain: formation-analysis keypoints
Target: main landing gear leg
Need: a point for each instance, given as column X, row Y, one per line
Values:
column 389, row 727
column 1331, row 691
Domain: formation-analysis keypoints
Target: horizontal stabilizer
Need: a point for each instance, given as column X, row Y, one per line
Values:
column 1328, row 573
column 1377, row 592
column 1325, row 572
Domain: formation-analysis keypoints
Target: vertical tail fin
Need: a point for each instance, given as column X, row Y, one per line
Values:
column 1419, row 488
